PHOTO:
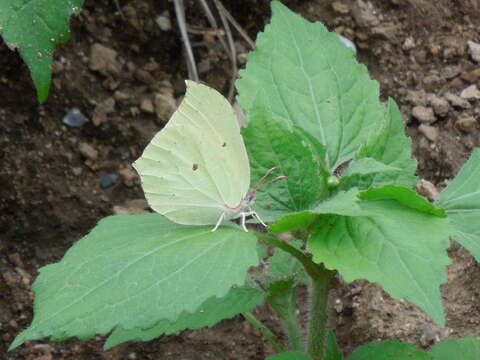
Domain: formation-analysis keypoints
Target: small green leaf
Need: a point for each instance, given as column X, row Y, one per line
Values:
column 292, row 222
column 35, row 28
column 461, row 201
column 391, row 147
column 404, row 196
column 402, row 249
column 289, row 356
column 313, row 82
column 466, row 348
column 367, row 166
column 271, row 144
column 333, row 351
column 211, row 312
column 284, row 266
column 134, row 270
column 391, row 350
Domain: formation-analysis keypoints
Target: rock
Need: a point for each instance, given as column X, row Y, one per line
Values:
column 416, row 97
column 108, row 180
column 147, row 106
column 365, row 14
column 423, row 114
column 163, row 21
column 430, row 132
column 128, row 176
column 341, row 7
column 470, row 93
column 472, row 77
column 457, row 101
column 131, row 207
column 408, row 44
column 440, row 105
column 165, row 105
column 88, row 151
column 466, row 124
column 74, row 118
column 431, row 82
column 474, row 50
column 449, row 72
column 427, row 189
column 103, row 60
column 102, row 110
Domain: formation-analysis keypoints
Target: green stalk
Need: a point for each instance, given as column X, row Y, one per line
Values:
column 292, row 325
column 317, row 326
column 267, row 334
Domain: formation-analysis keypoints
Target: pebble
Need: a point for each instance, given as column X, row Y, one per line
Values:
column 457, row 101
column 128, row 176
column 427, row 189
column 340, row 7
column 470, row 93
column 74, row 118
column 440, row 105
column 449, row 72
column 131, row 207
column 147, row 106
column 88, row 151
column 415, row 97
column 466, row 124
column 474, row 50
column 408, row 44
column 165, row 105
column 364, row 14
column 430, row 132
column 472, row 76
column 102, row 110
column 423, row 114
column 163, row 21
column 431, row 82
column 108, row 180
column 103, row 60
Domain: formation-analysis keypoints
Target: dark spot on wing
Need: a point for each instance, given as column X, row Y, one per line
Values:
column 194, row 167
column 224, row 144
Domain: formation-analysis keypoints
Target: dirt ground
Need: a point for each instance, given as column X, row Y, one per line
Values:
column 125, row 73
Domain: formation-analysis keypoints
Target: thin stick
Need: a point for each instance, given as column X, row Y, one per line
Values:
column 235, row 24
column 213, row 23
column 182, row 24
column 233, row 52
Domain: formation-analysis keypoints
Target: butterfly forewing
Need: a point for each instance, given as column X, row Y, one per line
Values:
column 197, row 163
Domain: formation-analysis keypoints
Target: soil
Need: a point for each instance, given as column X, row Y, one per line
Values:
column 124, row 74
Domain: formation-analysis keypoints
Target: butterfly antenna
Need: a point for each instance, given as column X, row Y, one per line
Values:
column 281, row 177
column 259, row 183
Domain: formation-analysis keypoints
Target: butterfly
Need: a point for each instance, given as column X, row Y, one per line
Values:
column 196, row 171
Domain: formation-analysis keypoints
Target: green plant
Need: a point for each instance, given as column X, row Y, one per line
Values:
column 312, row 110
column 35, row 28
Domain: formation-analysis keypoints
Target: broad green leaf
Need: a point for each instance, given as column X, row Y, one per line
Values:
column 289, row 356
column 391, row 350
column 402, row 249
column 313, row 82
column 35, row 27
column 340, row 203
column 333, row 351
column 367, row 166
column 134, row 270
column 272, row 144
column 461, row 201
column 466, row 348
column 404, row 196
column 391, row 147
column 284, row 266
column 208, row 314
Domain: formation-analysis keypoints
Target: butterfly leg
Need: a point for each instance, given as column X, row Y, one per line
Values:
column 258, row 218
column 219, row 222
column 243, row 216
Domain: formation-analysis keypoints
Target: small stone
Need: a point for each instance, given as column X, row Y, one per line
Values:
column 103, row 60
column 341, row 7
column 474, row 50
column 470, row 93
column 102, row 110
column 147, row 106
column 431, row 82
column 466, row 124
column 128, row 176
column 77, row 171
column 131, row 207
column 416, row 97
column 440, row 105
column 163, row 21
column 108, row 180
column 408, row 44
column 365, row 14
column 88, row 151
column 423, row 114
column 457, row 101
column 449, row 72
column 165, row 105
column 74, row 118
column 472, row 76
column 427, row 189
column 430, row 132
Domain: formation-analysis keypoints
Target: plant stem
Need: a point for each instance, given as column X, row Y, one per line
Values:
column 317, row 327
column 267, row 334
column 292, row 325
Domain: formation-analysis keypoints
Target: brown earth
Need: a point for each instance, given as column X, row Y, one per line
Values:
column 50, row 193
